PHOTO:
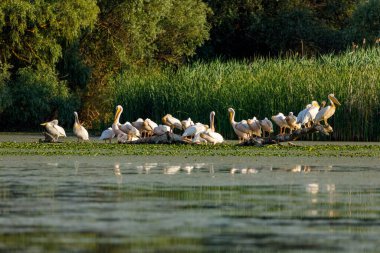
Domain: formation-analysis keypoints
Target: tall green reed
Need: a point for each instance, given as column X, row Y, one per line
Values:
column 260, row 88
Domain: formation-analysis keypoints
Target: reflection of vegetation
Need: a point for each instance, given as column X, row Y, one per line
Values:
column 239, row 212
column 101, row 149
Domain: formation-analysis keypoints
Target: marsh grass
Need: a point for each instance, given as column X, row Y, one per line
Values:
column 230, row 149
column 260, row 88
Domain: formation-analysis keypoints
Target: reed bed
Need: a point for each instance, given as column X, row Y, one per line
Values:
column 260, row 88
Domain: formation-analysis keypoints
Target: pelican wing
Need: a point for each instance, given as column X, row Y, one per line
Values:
column 243, row 126
column 212, row 137
column 60, row 130
column 151, row 123
column 161, row 129
column 81, row 132
column 321, row 114
column 138, row 123
column 280, row 120
column 107, row 134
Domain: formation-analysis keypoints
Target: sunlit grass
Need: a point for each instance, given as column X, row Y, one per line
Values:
column 260, row 88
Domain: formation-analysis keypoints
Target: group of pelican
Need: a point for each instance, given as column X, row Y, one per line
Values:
column 312, row 114
column 202, row 133
column 193, row 133
column 57, row 131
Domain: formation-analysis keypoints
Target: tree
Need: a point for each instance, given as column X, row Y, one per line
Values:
column 132, row 34
column 366, row 22
column 31, row 31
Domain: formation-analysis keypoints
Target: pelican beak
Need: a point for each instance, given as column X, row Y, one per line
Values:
column 117, row 114
column 230, row 114
column 43, row 124
column 336, row 102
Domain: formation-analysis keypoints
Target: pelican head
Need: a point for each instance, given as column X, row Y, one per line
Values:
column 119, row 110
column 164, row 119
column 333, row 99
column 231, row 113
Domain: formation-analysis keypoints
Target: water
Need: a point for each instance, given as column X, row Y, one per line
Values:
column 175, row 206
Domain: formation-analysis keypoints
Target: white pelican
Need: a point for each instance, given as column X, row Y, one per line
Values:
column 241, row 128
column 191, row 131
column 328, row 111
column 210, row 135
column 291, row 119
column 198, row 139
column 280, row 120
column 255, row 126
column 186, row 123
column 107, row 134
column 161, row 129
column 302, row 114
column 53, row 129
column 149, row 126
column 138, row 124
column 121, row 136
column 266, row 126
column 129, row 129
column 79, row 131
column 172, row 122
column 310, row 114
column 116, row 122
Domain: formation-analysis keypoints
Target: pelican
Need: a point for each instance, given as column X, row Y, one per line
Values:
column 79, row 131
column 129, row 129
column 53, row 129
column 198, row 139
column 280, row 120
column 241, row 128
column 187, row 123
column 107, row 134
column 310, row 114
column 302, row 114
column 328, row 111
column 191, row 131
column 255, row 126
column 291, row 119
column 115, row 125
column 161, row 129
column 149, row 126
column 139, row 125
column 266, row 126
column 210, row 135
column 172, row 122
column 121, row 136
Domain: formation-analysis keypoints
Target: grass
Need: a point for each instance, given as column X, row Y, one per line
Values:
column 102, row 149
column 259, row 88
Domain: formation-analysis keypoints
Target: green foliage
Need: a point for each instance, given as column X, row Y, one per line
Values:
column 183, row 29
column 30, row 31
column 132, row 34
column 96, row 148
column 260, row 88
column 5, row 98
column 37, row 96
column 247, row 28
column 366, row 21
